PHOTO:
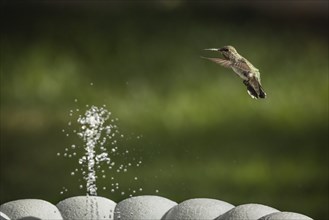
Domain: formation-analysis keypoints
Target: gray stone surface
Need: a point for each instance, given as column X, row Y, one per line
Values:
column 30, row 209
column 3, row 216
column 146, row 207
column 200, row 208
column 143, row 207
column 285, row 216
column 86, row 207
column 247, row 212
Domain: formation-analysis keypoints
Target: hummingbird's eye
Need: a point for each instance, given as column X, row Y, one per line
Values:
column 224, row 49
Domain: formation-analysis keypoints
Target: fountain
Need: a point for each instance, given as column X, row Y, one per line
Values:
column 103, row 145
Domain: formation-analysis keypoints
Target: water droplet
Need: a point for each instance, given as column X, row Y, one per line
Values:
column 58, row 154
column 72, row 146
column 157, row 191
column 104, row 188
column 81, row 186
column 72, row 173
column 75, row 100
column 91, row 84
column 135, row 178
column 122, row 193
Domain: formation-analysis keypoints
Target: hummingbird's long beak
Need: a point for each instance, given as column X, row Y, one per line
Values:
column 212, row 49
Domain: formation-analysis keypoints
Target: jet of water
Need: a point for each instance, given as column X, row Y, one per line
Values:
column 94, row 132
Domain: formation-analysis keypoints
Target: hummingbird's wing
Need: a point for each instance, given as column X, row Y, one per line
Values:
column 222, row 62
column 243, row 65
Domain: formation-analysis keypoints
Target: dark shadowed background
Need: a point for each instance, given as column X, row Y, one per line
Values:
column 190, row 121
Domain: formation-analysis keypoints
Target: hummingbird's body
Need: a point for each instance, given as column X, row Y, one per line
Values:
column 243, row 68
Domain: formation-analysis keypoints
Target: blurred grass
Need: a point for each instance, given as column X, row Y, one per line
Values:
column 202, row 136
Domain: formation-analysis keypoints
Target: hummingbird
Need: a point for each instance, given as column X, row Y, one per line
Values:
column 242, row 67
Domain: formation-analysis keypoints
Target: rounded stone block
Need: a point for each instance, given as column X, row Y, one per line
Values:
column 86, row 207
column 143, row 207
column 200, row 208
column 285, row 216
column 30, row 209
column 3, row 216
column 247, row 212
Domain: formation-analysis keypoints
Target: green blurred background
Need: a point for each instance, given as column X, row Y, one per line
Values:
column 202, row 135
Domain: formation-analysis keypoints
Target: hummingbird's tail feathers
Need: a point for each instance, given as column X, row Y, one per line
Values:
column 262, row 93
column 222, row 62
column 252, row 92
column 255, row 91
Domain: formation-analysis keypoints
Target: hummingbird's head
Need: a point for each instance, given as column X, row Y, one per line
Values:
column 226, row 51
